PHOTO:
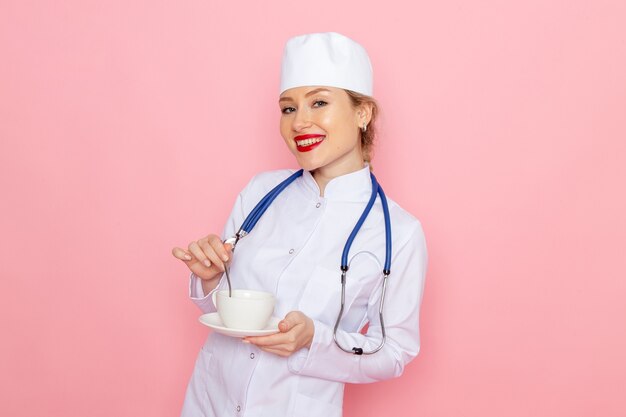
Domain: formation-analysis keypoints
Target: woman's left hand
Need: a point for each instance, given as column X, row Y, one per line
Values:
column 296, row 332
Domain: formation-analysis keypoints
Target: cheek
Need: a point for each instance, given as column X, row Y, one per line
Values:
column 341, row 123
column 284, row 128
column 345, row 133
column 329, row 120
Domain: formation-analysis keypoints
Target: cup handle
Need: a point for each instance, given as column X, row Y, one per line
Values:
column 213, row 297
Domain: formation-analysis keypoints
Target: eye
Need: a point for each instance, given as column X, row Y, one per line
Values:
column 287, row 110
column 319, row 103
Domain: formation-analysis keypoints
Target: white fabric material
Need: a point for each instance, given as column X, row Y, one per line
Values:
column 326, row 59
column 233, row 378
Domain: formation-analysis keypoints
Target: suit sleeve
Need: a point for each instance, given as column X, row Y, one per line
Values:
column 401, row 317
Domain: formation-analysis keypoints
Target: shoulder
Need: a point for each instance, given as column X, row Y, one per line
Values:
column 404, row 225
column 262, row 183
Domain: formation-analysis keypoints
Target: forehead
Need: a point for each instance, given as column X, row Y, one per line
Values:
column 306, row 91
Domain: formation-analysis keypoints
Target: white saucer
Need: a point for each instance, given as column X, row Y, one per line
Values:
column 214, row 321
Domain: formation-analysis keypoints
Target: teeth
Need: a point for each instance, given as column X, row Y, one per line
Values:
column 307, row 142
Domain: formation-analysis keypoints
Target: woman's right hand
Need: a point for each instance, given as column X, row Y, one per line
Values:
column 205, row 257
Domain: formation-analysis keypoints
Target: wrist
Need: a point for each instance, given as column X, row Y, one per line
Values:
column 210, row 284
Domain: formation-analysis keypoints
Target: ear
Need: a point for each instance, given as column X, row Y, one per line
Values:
column 364, row 114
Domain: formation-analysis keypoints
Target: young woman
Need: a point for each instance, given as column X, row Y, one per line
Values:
column 295, row 252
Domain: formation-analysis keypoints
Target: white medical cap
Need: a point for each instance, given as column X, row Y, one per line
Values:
column 326, row 59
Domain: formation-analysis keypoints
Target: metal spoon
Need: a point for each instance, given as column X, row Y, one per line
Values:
column 230, row 291
column 232, row 241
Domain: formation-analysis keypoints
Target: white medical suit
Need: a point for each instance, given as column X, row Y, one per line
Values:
column 294, row 251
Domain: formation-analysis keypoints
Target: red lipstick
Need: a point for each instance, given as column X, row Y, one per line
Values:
column 305, row 143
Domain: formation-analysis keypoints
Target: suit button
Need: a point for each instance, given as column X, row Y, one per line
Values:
column 238, row 408
column 318, row 205
column 252, row 356
column 291, row 251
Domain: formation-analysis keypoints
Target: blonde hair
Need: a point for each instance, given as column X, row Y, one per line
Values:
column 367, row 138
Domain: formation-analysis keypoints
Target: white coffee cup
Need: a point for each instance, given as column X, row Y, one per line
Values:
column 246, row 309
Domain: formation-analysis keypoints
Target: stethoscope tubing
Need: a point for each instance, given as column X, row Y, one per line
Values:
column 265, row 202
column 377, row 191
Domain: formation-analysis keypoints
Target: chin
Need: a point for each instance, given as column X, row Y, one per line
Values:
column 307, row 164
column 308, row 167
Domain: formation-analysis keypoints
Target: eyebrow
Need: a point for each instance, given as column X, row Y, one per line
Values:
column 310, row 93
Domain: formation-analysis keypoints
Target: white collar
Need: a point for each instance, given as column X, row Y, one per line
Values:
column 355, row 186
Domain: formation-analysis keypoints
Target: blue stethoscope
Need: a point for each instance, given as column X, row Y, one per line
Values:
column 266, row 201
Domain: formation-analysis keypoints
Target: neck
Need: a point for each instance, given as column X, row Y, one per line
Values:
column 324, row 175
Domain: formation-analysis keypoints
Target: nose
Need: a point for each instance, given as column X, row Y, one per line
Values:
column 301, row 121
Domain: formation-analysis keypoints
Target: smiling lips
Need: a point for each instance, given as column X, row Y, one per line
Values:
column 305, row 143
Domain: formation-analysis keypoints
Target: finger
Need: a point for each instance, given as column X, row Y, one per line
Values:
column 271, row 340
column 284, row 326
column 291, row 320
column 181, row 254
column 210, row 254
column 219, row 248
column 197, row 252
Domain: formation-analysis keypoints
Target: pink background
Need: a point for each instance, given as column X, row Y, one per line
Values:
column 128, row 128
